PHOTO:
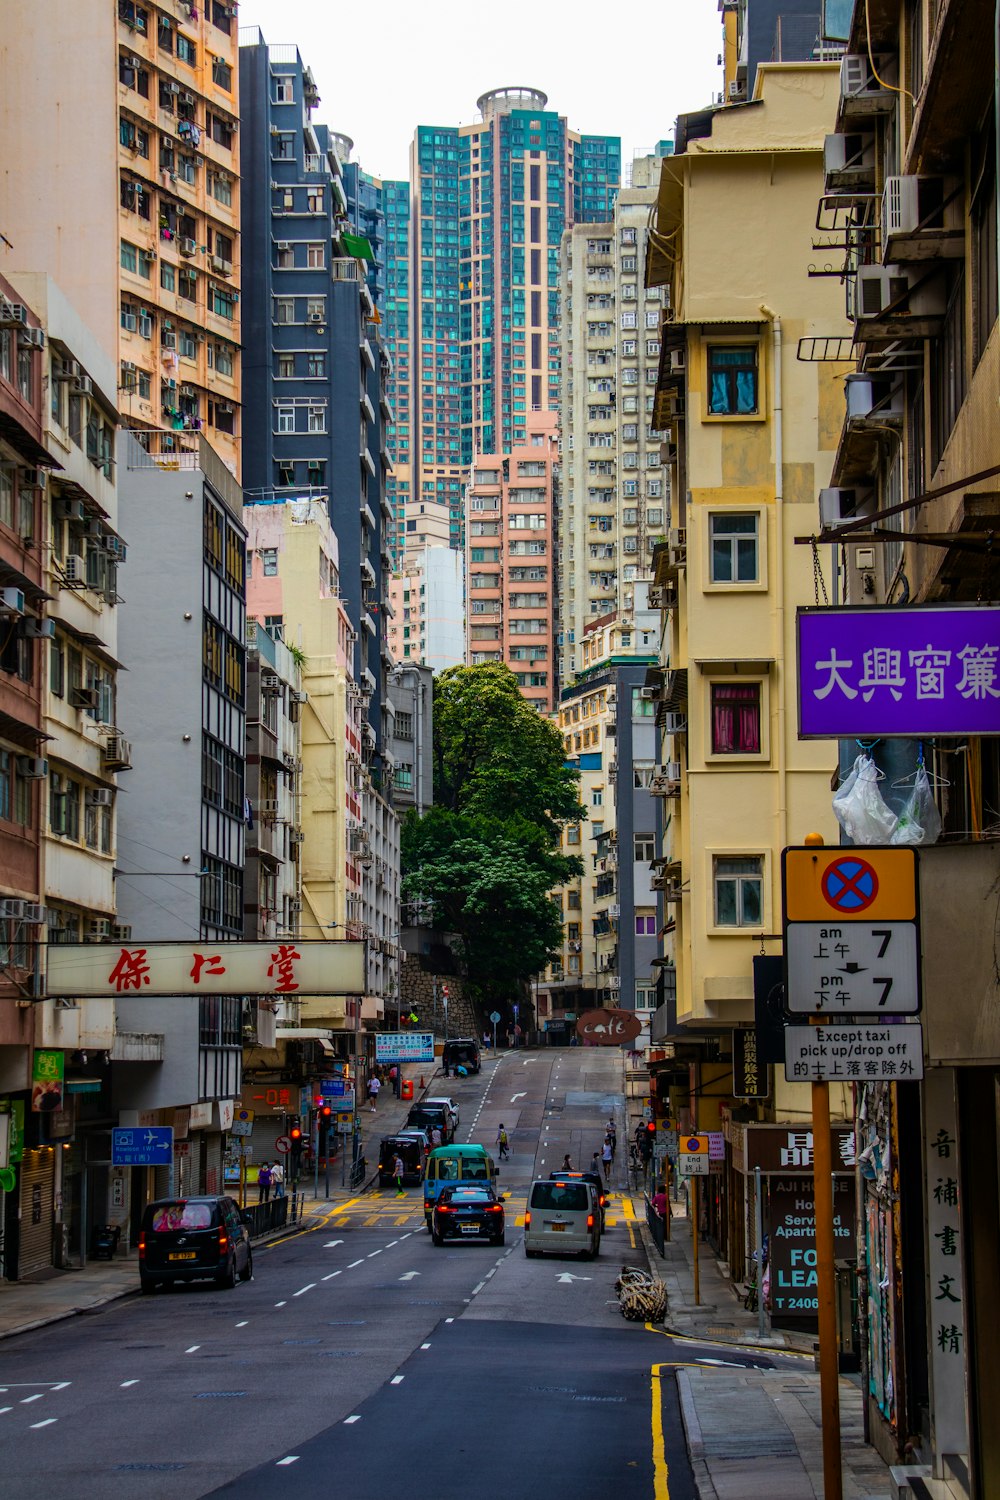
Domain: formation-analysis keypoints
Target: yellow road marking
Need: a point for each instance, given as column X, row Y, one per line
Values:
column 631, row 1235
column 323, row 1223
column 661, row 1473
column 628, row 1207
column 689, row 1338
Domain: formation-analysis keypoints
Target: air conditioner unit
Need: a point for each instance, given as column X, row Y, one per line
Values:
column 282, row 245
column 614, row 981
column 295, row 906
column 838, row 505
column 675, row 723
column 269, row 807
column 877, row 288
column 99, row 927
column 678, row 361
column 128, row 365
column 614, row 911
column 920, row 219
column 38, row 630
column 116, row 752
column 68, row 370
column 121, row 932
column 849, row 160
column 673, row 770
column 168, row 339
column 10, row 909
column 186, row 245
column 100, row 796
column 873, row 398
column 72, row 510
column 83, row 386
column 31, row 338
column 297, row 696
column 12, row 313
column 34, row 912
column 133, row 62
column 296, row 836
column 32, row 767
column 84, row 697
column 736, row 90
column 862, row 91
column 11, row 601
column 75, row 569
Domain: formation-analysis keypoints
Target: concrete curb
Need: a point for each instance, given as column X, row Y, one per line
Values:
column 693, row 1438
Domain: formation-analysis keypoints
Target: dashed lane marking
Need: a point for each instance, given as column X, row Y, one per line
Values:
column 349, row 1420
column 397, row 1380
column 356, row 1263
column 47, row 1423
column 123, row 1387
column 195, row 1347
column 302, row 1290
column 292, row 1458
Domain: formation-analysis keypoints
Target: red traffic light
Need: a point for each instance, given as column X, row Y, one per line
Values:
column 296, row 1133
column 650, row 1127
column 326, row 1111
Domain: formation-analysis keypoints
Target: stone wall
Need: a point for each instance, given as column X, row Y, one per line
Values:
column 417, row 989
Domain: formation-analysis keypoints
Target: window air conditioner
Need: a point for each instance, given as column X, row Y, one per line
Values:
column 116, row 752
column 84, row 697
column 849, row 160
column 673, row 770
column 34, row 912
column 38, row 630
column 838, row 505
column 873, row 396
column 121, row 932
column 99, row 927
column 100, row 796
column 30, row 338
column 11, row 601
column 876, row 288
column 186, row 245
column 83, row 386
column 11, row 910
column 677, row 361
column 735, row 90
column 32, row 767
column 12, row 313
column 861, row 89
column 75, row 569
column 296, row 836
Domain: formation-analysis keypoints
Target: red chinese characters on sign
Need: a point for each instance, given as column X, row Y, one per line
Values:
column 212, row 965
column 282, row 968
column 131, row 971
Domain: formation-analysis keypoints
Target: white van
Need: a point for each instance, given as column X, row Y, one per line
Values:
column 563, row 1216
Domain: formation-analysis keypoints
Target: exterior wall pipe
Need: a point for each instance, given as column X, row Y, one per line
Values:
column 779, row 571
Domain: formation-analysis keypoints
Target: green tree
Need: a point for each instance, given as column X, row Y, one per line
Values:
column 487, row 855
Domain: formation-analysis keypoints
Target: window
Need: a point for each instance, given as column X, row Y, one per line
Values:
column 404, row 726
column 645, row 848
column 286, row 419
column 732, row 380
column 317, row 419
column 403, row 778
column 984, row 238
column 269, row 562
column 286, row 367
column 645, row 926
column 315, row 256
column 735, row 718
column 642, row 774
column 597, row 797
column 186, row 49
column 739, row 890
column 733, row 550
column 129, row 256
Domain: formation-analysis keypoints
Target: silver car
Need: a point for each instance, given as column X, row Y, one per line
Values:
column 563, row 1217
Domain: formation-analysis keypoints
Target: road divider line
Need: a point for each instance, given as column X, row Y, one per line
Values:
column 47, row 1423
column 349, row 1420
column 397, row 1380
column 292, row 1458
column 371, row 1255
column 26, row 1399
column 302, row 1290
column 243, row 1324
column 356, row 1263
column 331, row 1276
column 425, row 1346
column 123, row 1387
column 193, row 1349
column 279, row 1304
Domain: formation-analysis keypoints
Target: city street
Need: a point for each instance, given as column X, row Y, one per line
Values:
column 359, row 1349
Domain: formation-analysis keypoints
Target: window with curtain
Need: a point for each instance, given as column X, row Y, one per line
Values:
column 736, row 718
column 732, row 380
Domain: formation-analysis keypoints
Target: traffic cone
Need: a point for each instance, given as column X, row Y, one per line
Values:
column 422, row 1083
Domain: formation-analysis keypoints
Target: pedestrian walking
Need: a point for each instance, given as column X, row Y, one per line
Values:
column 612, row 1133
column 486, row 1041
column 264, row 1182
column 595, row 1163
column 502, row 1151
column 567, row 1165
column 397, row 1172
column 278, row 1179
column 394, row 1079
column 435, row 1136
column 607, row 1157
column 373, row 1091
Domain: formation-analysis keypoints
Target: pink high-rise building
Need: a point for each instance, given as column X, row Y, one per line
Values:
column 510, row 568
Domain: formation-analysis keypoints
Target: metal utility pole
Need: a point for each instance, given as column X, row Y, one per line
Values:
column 758, row 1225
column 829, row 1374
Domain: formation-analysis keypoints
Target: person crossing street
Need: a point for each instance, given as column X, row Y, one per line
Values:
column 502, row 1151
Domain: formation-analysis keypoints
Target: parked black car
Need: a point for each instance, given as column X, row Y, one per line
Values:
column 411, row 1152
column 426, row 1115
column 468, row 1213
column 595, row 1178
column 192, row 1239
column 462, row 1051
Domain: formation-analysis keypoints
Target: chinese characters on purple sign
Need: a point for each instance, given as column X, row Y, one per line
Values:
column 913, row 672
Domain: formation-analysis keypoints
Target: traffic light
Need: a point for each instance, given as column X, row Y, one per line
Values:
column 325, row 1111
column 295, row 1129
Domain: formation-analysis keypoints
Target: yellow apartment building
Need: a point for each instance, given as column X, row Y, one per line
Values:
column 127, row 194
column 752, row 428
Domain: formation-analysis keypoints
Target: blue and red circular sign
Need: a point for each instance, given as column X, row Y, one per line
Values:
column 850, row 884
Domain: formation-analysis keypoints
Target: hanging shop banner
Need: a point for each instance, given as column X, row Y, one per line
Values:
column 751, row 1077
column 915, row 673
column 47, row 1071
column 293, row 968
column 608, row 1028
column 403, row 1046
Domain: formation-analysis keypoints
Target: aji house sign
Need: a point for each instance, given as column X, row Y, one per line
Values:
column 896, row 671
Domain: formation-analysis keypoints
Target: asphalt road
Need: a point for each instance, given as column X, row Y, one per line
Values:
column 362, row 1355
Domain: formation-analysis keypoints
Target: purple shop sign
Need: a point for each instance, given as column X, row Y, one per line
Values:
column 912, row 673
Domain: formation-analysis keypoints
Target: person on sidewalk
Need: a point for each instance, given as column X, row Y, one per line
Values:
column 394, row 1079
column 659, row 1201
column 607, row 1157
column 567, row 1165
column 264, row 1182
column 595, row 1163
column 397, row 1172
column 612, row 1134
column 278, row 1179
column 502, row 1143
column 373, row 1091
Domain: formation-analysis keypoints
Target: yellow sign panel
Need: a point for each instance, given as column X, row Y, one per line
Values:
column 693, row 1145
column 850, row 885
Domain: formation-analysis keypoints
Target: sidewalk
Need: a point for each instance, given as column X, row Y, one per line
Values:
column 754, row 1434
column 25, row 1305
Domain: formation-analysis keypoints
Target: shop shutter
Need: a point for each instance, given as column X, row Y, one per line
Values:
column 37, row 1183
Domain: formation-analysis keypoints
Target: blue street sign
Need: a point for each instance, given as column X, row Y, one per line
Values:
column 333, row 1088
column 143, row 1146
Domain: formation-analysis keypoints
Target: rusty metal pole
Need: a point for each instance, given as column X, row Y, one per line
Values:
column 694, row 1206
column 829, row 1375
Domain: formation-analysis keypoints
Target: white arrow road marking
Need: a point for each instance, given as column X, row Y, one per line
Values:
column 330, row 1244
column 732, row 1364
column 409, row 1275
column 567, row 1276
column 514, row 1097
column 126, row 1383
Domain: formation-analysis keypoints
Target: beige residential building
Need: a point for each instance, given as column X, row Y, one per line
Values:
column 613, row 498
column 138, row 110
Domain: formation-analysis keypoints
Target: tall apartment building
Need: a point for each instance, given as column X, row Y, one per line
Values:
column 613, row 502
column 510, row 564
column 606, row 717
column 490, row 201
column 317, row 407
column 427, row 609
column 146, row 118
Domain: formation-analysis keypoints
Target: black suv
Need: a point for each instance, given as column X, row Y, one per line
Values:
column 193, row 1239
column 428, row 1115
column 411, row 1154
column 461, row 1052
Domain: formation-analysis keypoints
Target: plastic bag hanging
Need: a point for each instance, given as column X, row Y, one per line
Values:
column 919, row 820
column 860, row 808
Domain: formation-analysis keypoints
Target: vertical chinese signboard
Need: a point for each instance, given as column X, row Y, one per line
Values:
column 47, row 1071
column 751, row 1078
column 945, row 1254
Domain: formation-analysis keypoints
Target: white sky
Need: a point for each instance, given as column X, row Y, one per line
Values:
column 383, row 68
